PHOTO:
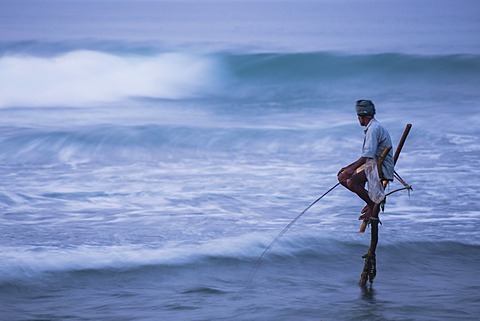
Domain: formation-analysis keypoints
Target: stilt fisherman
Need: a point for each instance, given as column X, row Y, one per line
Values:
column 375, row 140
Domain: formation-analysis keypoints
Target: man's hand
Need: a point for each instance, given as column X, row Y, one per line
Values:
column 345, row 173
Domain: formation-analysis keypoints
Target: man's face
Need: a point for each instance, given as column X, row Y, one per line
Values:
column 361, row 120
column 364, row 120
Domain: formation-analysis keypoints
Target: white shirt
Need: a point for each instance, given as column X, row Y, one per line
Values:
column 376, row 139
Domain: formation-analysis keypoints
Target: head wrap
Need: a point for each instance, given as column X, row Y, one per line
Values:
column 365, row 108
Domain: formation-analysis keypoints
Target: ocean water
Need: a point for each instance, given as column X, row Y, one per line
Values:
column 151, row 150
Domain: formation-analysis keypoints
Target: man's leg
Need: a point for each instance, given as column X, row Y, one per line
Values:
column 356, row 184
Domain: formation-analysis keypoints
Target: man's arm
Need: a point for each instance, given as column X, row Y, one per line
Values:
column 350, row 169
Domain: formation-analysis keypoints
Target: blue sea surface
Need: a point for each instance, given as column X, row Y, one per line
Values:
column 150, row 151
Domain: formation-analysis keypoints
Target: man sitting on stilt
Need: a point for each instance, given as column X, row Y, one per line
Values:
column 376, row 139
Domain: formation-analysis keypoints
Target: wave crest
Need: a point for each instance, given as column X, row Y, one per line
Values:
column 84, row 77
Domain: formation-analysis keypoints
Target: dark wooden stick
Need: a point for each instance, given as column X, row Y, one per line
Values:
column 401, row 143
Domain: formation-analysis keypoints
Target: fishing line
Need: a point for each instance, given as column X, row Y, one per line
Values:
column 275, row 240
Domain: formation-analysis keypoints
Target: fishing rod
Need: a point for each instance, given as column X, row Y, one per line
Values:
column 275, row 240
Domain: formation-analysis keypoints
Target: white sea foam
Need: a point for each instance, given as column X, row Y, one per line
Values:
column 29, row 262
column 80, row 78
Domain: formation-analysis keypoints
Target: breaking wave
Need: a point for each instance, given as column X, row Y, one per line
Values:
column 87, row 77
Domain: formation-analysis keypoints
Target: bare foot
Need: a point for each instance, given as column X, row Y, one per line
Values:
column 367, row 212
column 365, row 209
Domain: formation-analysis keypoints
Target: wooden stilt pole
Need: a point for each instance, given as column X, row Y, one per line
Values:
column 370, row 269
